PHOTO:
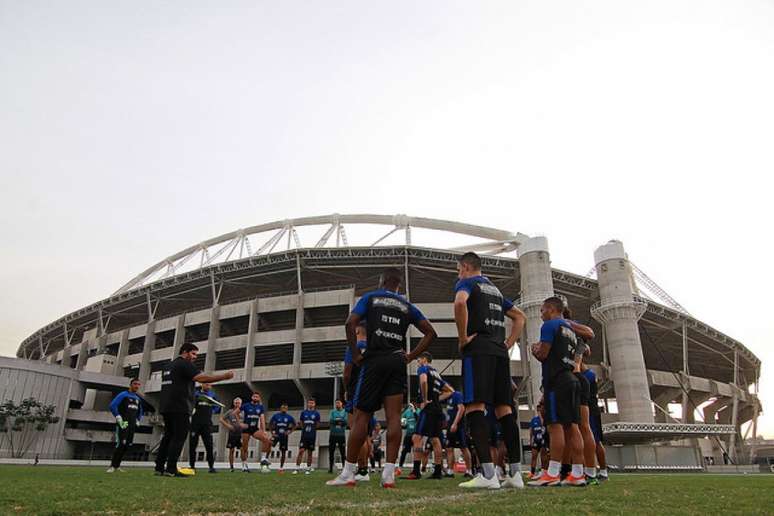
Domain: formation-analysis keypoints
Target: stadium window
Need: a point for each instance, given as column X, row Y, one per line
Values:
column 251, row 454
column 234, row 326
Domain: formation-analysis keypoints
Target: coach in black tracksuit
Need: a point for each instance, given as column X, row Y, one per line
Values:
column 177, row 398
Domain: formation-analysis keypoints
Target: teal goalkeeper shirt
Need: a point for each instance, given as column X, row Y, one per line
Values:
column 411, row 420
column 338, row 422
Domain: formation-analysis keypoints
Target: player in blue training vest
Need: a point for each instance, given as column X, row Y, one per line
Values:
column 351, row 374
column 282, row 424
column 201, row 425
column 433, row 390
column 456, row 434
column 127, row 409
column 382, row 379
column 254, row 416
column 308, row 421
column 480, row 310
column 561, row 392
column 595, row 419
column 537, row 442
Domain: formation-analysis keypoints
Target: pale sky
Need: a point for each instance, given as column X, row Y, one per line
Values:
column 130, row 130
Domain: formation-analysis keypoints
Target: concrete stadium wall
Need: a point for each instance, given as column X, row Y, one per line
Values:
column 48, row 384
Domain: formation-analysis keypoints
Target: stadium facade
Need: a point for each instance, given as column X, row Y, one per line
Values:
column 276, row 317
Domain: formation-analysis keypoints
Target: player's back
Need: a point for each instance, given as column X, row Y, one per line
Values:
column 388, row 316
column 486, row 316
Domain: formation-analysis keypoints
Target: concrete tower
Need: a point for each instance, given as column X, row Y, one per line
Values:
column 536, row 285
column 619, row 311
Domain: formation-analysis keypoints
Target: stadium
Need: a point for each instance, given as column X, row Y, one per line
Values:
column 269, row 302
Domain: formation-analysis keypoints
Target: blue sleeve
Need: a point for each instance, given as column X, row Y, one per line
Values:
column 415, row 314
column 464, row 285
column 548, row 330
column 347, row 355
column 421, row 370
column 361, row 308
column 507, row 304
column 116, row 402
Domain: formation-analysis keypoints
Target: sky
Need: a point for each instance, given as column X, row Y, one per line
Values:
column 131, row 130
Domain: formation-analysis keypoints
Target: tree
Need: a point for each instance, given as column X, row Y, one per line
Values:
column 21, row 424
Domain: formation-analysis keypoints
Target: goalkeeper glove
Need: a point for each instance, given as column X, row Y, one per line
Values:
column 123, row 425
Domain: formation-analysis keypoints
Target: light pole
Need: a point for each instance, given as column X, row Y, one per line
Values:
column 334, row 369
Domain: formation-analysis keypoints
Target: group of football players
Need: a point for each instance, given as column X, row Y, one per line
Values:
column 480, row 420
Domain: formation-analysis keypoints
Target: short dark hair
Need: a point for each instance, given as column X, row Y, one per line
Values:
column 185, row 348
column 567, row 312
column 135, row 379
column 427, row 355
column 391, row 277
column 311, row 398
column 555, row 303
column 471, row 259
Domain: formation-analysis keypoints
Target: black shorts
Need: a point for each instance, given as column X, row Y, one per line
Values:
column 458, row 439
column 595, row 419
column 486, row 379
column 282, row 440
column 307, row 443
column 234, row 441
column 430, row 424
column 408, row 441
column 380, row 376
column 585, row 389
column 538, row 444
column 250, row 430
column 563, row 400
column 125, row 436
column 495, row 435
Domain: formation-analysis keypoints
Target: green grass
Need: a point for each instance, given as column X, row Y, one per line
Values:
column 87, row 490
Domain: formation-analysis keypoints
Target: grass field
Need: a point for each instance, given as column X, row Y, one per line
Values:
column 88, row 490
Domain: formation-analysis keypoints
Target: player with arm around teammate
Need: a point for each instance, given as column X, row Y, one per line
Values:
column 127, row 409
column 561, row 388
column 383, row 378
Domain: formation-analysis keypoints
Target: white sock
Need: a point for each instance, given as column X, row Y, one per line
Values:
column 590, row 472
column 388, row 473
column 244, row 465
column 577, row 470
column 350, row 468
column 554, row 468
column 602, row 472
column 488, row 469
column 515, row 468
